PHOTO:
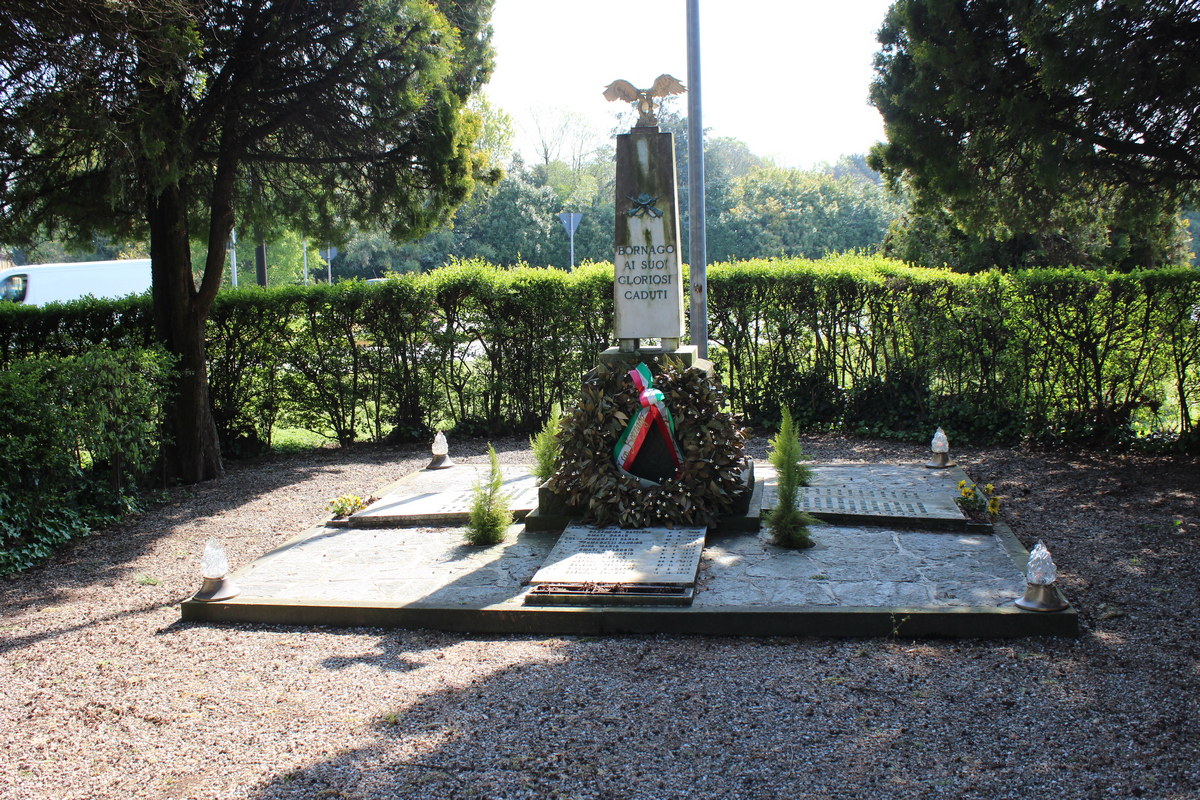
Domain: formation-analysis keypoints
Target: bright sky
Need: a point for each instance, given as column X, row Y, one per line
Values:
column 790, row 78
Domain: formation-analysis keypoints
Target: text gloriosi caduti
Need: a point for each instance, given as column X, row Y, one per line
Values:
column 645, row 263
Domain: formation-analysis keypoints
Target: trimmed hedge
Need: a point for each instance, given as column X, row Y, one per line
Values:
column 79, row 429
column 854, row 342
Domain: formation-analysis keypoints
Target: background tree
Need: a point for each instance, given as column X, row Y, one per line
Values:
column 1191, row 218
column 1008, row 117
column 1098, row 232
column 166, row 116
column 772, row 211
column 285, row 260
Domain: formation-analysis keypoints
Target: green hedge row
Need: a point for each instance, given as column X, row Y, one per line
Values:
column 869, row 344
column 854, row 342
column 78, row 429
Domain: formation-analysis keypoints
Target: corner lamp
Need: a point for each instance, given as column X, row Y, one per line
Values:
column 1040, row 592
column 941, row 451
column 214, row 566
column 441, row 453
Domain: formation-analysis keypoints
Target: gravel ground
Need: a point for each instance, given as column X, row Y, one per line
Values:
column 106, row 694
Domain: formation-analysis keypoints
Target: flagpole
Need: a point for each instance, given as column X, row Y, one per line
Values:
column 698, row 268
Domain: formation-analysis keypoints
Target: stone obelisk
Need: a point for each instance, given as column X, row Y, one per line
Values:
column 648, row 287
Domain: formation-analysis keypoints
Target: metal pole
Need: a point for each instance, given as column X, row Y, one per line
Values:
column 260, row 262
column 304, row 244
column 233, row 256
column 697, row 265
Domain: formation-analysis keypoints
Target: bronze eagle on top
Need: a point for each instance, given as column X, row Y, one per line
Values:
column 664, row 86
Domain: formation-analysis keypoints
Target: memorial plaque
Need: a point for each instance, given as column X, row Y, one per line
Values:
column 624, row 555
column 869, row 502
column 878, row 502
column 911, row 477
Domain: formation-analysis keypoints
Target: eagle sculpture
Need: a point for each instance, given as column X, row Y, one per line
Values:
column 664, row 86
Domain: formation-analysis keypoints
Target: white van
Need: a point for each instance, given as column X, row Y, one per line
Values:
column 39, row 284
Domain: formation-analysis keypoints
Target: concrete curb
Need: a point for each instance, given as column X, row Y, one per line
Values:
column 1006, row 622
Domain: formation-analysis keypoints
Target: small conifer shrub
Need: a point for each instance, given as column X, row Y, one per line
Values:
column 789, row 525
column 490, row 514
column 547, row 447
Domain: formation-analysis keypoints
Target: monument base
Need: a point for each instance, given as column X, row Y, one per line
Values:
column 654, row 356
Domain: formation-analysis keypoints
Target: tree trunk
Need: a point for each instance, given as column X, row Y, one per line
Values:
column 192, row 451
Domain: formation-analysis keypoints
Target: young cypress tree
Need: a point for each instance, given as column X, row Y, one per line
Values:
column 490, row 514
column 546, row 447
column 788, row 525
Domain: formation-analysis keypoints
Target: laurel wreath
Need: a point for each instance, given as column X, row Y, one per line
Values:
column 712, row 444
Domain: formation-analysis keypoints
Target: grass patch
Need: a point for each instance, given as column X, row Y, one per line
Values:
column 296, row 440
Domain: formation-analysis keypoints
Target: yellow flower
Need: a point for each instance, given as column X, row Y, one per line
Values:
column 994, row 506
column 961, row 484
column 990, row 488
column 968, row 491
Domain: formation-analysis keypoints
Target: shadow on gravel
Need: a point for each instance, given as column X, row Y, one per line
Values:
column 103, row 557
column 1114, row 712
column 102, row 562
column 650, row 717
column 12, row 643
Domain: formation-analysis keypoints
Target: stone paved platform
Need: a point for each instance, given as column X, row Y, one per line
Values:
column 857, row 581
column 849, row 567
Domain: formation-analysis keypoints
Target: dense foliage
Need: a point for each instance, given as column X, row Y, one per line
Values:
column 852, row 342
column 1031, row 133
column 754, row 209
column 1042, row 93
column 78, row 429
column 163, row 117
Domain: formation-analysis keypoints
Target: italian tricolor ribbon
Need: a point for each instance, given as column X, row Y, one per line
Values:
column 654, row 412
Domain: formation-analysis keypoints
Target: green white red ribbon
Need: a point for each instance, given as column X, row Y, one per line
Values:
column 654, row 412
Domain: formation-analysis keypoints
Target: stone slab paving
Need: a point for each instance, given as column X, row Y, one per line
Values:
column 849, row 567
column 396, row 565
column 861, row 567
column 443, row 496
column 858, row 580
